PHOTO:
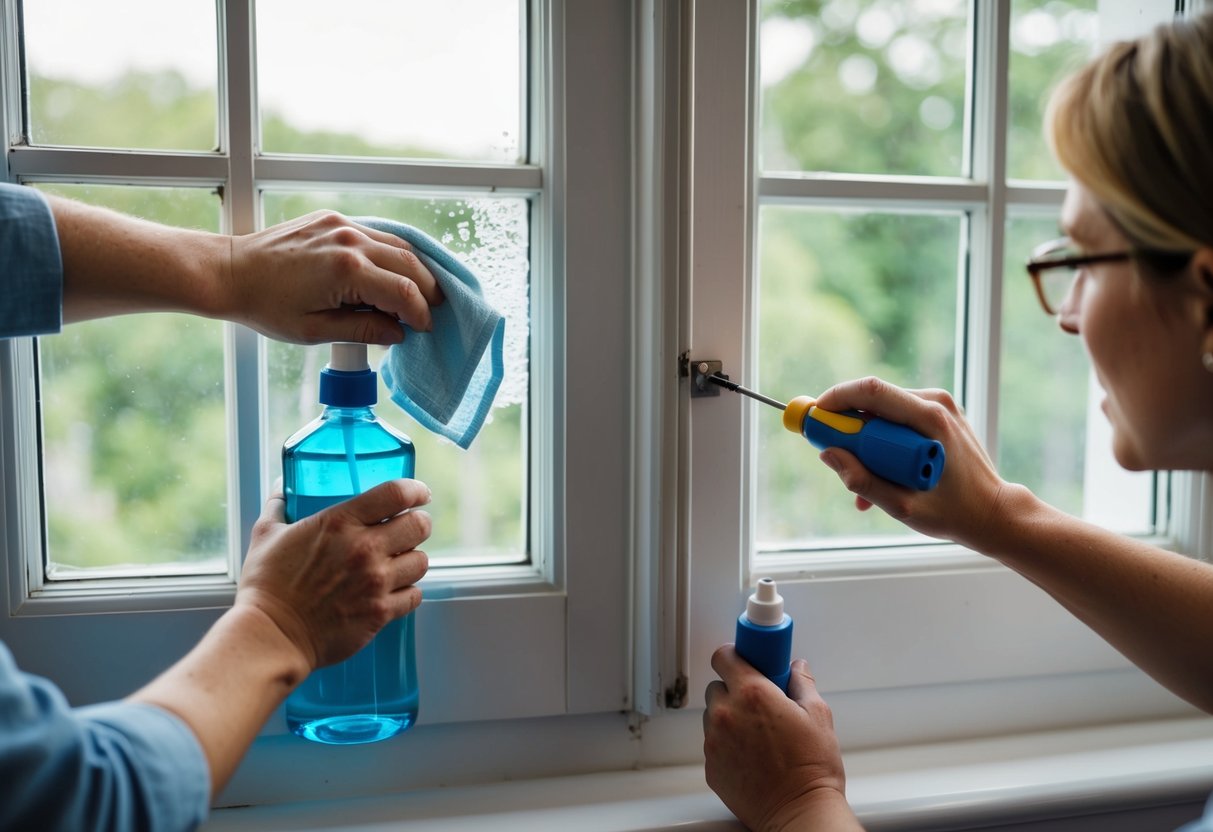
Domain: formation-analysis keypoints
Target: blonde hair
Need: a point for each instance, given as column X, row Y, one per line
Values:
column 1134, row 125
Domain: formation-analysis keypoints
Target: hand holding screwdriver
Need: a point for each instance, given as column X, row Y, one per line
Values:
column 889, row 450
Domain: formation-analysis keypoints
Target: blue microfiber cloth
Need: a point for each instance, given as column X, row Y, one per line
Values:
column 446, row 379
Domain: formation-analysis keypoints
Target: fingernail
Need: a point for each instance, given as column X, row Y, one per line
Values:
column 832, row 461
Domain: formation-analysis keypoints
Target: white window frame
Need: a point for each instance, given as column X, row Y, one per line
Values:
column 547, row 639
column 913, row 643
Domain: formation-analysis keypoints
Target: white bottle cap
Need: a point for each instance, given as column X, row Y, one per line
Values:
column 765, row 607
column 348, row 358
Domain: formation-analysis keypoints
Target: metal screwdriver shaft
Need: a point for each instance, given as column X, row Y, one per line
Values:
column 737, row 388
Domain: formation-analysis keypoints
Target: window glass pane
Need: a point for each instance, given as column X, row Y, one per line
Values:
column 387, row 78
column 1049, row 40
column 844, row 295
column 874, row 87
column 479, row 499
column 142, row 74
column 134, row 425
column 1052, row 435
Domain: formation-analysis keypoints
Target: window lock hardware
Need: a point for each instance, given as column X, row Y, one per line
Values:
column 699, row 370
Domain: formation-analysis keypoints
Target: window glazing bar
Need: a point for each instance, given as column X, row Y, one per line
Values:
column 1036, row 194
column 45, row 163
column 66, row 163
column 872, row 191
column 245, row 357
column 496, row 178
column 979, row 379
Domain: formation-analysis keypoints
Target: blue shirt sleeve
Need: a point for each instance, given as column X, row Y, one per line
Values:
column 117, row 766
column 1203, row 824
column 31, row 268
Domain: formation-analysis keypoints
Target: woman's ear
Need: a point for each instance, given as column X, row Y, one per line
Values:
column 1201, row 269
column 1202, row 262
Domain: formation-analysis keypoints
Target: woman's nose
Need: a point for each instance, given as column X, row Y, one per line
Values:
column 1067, row 313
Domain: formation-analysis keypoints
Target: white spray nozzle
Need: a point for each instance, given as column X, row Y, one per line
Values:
column 349, row 358
column 765, row 607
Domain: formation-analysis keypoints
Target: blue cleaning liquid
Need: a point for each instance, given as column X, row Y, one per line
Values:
column 373, row 694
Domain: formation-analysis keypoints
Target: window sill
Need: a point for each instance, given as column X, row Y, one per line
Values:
column 1009, row 780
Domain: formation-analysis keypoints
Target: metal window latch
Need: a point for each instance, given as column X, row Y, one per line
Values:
column 698, row 370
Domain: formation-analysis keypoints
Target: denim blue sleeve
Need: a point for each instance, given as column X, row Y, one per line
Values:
column 31, row 268
column 1203, row 824
column 117, row 766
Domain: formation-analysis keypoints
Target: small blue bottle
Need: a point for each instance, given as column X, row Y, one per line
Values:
column 373, row 694
column 764, row 634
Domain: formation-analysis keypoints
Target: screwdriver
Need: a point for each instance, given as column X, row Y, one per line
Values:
column 889, row 450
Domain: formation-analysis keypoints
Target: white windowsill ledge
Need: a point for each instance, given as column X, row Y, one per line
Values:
column 1008, row 779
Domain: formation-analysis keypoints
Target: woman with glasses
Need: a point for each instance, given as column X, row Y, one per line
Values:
column 1133, row 278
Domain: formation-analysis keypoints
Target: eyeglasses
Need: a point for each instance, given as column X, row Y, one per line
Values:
column 1054, row 264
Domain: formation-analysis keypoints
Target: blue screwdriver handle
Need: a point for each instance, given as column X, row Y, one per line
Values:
column 889, row 450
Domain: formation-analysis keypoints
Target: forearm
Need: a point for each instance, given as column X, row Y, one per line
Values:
column 228, row 685
column 1150, row 604
column 114, row 264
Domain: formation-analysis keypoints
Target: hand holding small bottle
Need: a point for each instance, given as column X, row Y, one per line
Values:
column 772, row 758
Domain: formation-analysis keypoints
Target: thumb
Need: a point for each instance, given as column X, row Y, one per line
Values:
column 274, row 510
column 272, row 519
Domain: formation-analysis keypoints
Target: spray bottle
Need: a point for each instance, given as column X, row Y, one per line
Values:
column 764, row 634
column 347, row 450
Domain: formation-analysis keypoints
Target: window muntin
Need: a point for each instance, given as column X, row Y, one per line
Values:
column 96, row 78
column 410, row 79
column 843, row 294
column 1049, row 39
column 480, row 495
column 869, row 88
column 134, row 431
